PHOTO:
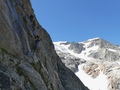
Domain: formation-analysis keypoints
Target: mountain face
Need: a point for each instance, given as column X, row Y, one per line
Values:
column 22, row 67
column 95, row 56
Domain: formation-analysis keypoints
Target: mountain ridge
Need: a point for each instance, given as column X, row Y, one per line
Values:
column 97, row 55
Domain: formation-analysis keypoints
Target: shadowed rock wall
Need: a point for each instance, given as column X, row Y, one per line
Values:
column 22, row 67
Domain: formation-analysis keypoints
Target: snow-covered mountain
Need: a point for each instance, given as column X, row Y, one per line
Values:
column 95, row 61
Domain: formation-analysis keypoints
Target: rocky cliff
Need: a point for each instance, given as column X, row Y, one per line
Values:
column 22, row 67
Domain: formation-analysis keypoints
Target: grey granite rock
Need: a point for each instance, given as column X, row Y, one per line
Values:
column 76, row 47
column 22, row 67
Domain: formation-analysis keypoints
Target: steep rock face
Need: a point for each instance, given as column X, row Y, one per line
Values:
column 22, row 68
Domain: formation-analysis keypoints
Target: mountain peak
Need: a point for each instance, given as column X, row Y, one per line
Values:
column 102, row 43
column 94, row 48
column 97, row 38
column 96, row 58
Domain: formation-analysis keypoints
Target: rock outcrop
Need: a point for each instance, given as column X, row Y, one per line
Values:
column 76, row 47
column 22, row 67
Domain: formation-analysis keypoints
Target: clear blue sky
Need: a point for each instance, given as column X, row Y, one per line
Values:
column 79, row 20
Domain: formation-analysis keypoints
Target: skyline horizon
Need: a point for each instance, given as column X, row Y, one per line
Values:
column 84, row 20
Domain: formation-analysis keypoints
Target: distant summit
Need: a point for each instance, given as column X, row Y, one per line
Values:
column 101, row 43
column 96, row 56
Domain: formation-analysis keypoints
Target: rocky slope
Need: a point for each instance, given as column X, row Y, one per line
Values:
column 95, row 55
column 22, row 68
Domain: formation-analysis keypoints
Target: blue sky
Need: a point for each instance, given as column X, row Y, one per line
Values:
column 79, row 20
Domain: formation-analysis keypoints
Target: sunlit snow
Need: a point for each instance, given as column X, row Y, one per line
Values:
column 99, row 83
column 93, row 39
column 112, row 50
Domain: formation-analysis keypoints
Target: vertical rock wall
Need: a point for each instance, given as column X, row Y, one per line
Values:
column 22, row 67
